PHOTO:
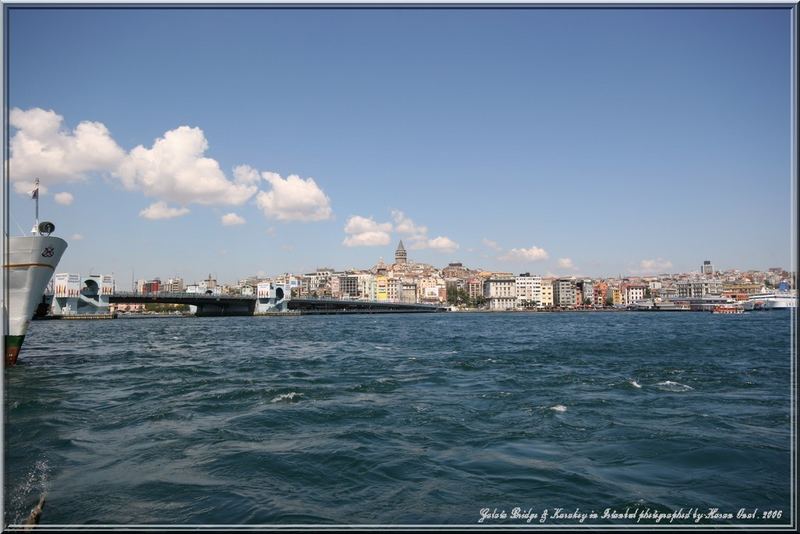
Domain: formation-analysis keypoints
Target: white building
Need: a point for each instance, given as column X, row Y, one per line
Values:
column 500, row 293
column 632, row 293
column 528, row 290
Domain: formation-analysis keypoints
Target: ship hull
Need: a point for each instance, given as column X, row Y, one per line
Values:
column 31, row 262
column 771, row 302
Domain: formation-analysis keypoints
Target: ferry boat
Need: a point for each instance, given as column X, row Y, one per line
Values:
column 776, row 300
column 728, row 309
column 30, row 263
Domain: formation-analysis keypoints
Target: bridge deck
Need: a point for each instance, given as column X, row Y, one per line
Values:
column 303, row 305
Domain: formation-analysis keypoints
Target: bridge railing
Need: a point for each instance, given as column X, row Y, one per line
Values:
column 166, row 294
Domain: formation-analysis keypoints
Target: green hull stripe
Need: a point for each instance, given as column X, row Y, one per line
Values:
column 14, row 342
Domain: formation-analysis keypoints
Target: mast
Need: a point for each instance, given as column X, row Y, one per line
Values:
column 35, row 196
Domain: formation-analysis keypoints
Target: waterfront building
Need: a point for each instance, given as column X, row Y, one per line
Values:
column 741, row 288
column 585, row 288
column 699, row 287
column 348, row 287
column 600, row 293
column 152, row 286
column 528, row 290
column 366, row 289
column 668, row 293
column 335, row 287
column 394, row 289
column 547, row 293
column 408, row 292
column 381, row 285
column 174, row 285
column 474, row 287
column 632, row 292
column 431, row 289
column 564, row 293
column 500, row 293
column 400, row 256
column 616, row 296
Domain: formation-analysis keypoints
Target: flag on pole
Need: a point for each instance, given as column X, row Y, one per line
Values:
column 35, row 194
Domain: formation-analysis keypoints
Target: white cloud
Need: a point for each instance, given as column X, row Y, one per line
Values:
column 231, row 219
column 365, row 232
column 656, row 266
column 417, row 235
column 444, row 244
column 525, row 254
column 175, row 170
column 491, row 244
column 160, row 210
column 64, row 198
column 42, row 148
column 566, row 263
column 75, row 237
column 294, row 199
column 406, row 227
column 244, row 174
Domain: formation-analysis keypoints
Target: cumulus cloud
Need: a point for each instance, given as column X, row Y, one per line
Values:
column 659, row 265
column 407, row 227
column 160, row 210
column 491, row 244
column 231, row 219
column 64, row 198
column 525, row 254
column 365, row 232
column 417, row 235
column 175, row 170
column 566, row 263
column 42, row 148
column 293, row 199
column 245, row 174
column 444, row 244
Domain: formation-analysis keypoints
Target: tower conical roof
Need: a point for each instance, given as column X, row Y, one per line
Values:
column 400, row 246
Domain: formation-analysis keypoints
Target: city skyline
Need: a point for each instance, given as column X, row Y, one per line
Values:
column 566, row 142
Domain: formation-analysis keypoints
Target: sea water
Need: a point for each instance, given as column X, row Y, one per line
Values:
column 401, row 419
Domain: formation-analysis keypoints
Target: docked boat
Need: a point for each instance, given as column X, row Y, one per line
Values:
column 776, row 300
column 30, row 263
column 728, row 309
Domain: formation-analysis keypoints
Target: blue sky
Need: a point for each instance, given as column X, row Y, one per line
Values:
column 567, row 141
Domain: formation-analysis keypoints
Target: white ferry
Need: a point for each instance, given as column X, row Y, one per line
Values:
column 29, row 265
column 776, row 300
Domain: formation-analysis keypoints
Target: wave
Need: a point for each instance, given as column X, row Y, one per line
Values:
column 560, row 408
column 635, row 384
column 287, row 397
column 669, row 385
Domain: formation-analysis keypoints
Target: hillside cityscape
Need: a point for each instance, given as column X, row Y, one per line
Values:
column 407, row 281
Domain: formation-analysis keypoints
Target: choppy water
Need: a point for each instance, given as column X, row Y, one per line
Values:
column 397, row 419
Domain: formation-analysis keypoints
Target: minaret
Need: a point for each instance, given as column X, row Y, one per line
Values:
column 400, row 254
